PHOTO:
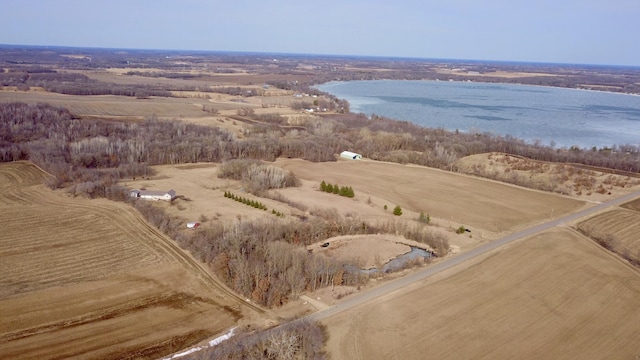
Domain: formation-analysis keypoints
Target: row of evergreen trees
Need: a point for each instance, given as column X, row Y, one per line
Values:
column 254, row 203
column 335, row 189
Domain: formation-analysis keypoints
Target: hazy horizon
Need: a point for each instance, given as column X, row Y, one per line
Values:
column 570, row 32
column 316, row 55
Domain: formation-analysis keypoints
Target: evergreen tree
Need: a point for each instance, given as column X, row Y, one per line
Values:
column 350, row 192
column 329, row 188
column 397, row 211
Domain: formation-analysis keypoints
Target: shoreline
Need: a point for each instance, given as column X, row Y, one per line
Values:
column 592, row 117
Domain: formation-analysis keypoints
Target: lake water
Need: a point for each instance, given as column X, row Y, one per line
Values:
column 554, row 116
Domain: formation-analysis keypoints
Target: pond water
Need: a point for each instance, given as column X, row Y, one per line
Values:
column 400, row 261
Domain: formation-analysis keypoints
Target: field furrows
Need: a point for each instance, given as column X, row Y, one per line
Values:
column 115, row 229
column 632, row 205
column 91, row 279
column 169, row 299
column 50, row 240
column 99, row 322
column 556, row 295
column 622, row 224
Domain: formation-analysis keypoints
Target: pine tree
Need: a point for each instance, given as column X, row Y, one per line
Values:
column 329, row 188
column 397, row 211
column 350, row 192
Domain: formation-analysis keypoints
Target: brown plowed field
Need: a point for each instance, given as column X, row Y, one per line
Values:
column 632, row 205
column 452, row 198
column 556, row 295
column 90, row 279
column 623, row 224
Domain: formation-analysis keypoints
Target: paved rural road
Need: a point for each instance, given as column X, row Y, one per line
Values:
column 459, row 259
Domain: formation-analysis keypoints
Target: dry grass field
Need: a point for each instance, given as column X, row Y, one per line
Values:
column 568, row 179
column 556, row 295
column 90, row 279
column 192, row 107
column 451, row 199
column 109, row 106
column 489, row 210
column 200, row 195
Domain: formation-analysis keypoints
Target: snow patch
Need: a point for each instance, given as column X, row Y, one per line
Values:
column 211, row 343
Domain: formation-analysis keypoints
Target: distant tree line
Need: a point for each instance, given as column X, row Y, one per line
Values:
column 79, row 84
column 164, row 74
column 76, row 84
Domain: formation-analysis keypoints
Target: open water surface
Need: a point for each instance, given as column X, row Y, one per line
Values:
column 553, row 116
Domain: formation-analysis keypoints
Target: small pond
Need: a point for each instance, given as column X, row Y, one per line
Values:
column 400, row 261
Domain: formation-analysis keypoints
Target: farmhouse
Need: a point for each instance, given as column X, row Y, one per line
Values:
column 350, row 155
column 153, row 195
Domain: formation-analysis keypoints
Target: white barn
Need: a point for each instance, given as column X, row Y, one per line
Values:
column 350, row 155
column 153, row 195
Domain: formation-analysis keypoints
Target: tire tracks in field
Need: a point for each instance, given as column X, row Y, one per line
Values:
column 26, row 189
column 168, row 299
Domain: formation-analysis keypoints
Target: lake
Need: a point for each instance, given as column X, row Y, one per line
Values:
column 554, row 116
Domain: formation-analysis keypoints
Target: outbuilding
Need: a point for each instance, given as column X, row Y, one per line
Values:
column 350, row 155
column 153, row 195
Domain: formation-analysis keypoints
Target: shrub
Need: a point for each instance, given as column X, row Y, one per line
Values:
column 397, row 211
column 257, row 177
column 425, row 219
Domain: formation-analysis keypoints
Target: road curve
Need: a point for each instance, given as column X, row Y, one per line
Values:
column 460, row 258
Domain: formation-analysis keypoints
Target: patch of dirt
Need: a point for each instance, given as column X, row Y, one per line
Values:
column 366, row 251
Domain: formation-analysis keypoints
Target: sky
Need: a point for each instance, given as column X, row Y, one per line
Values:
column 601, row 32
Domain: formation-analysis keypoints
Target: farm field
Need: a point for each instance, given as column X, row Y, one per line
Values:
column 453, row 199
column 555, row 295
column 493, row 209
column 201, row 193
column 632, row 205
column 90, row 279
column 620, row 226
column 123, row 107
